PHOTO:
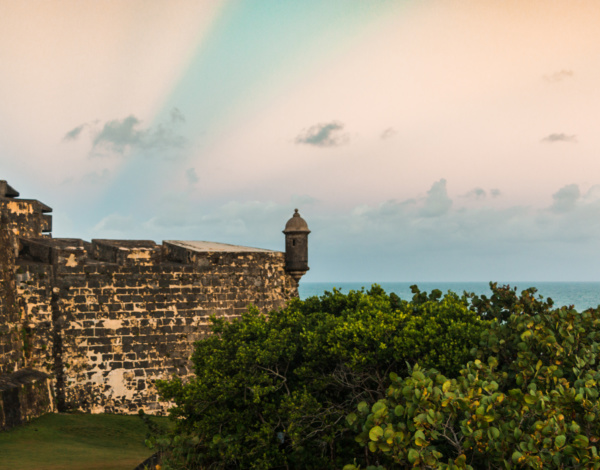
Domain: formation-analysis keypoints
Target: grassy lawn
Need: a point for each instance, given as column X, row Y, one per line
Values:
column 76, row 441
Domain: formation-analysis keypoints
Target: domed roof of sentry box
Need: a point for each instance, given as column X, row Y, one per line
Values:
column 296, row 224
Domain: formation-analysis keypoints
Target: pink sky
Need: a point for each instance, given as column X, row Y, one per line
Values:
column 397, row 127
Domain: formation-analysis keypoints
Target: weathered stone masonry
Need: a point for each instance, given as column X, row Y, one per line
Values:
column 106, row 319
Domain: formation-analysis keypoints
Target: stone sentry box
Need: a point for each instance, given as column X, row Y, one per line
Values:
column 107, row 318
column 296, row 246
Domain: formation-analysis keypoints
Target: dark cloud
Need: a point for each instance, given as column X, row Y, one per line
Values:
column 120, row 135
column 565, row 198
column 117, row 135
column 324, row 135
column 162, row 137
column 177, row 116
column 476, row 193
column 74, row 134
column 437, row 202
column 388, row 133
column 559, row 76
column 480, row 194
column 192, row 177
column 559, row 137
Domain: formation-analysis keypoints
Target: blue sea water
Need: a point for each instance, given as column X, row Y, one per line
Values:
column 582, row 295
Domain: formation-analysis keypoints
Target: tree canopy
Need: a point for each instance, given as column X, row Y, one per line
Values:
column 529, row 399
column 274, row 391
column 366, row 380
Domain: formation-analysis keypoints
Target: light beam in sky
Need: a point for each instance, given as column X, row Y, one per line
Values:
column 413, row 134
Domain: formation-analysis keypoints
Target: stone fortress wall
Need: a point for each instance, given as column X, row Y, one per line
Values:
column 101, row 321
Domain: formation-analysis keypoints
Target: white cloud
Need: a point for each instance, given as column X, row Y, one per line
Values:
column 303, row 200
column 114, row 224
column 593, row 194
column 418, row 224
column 429, row 237
column 253, row 223
column 565, row 198
column 96, row 177
column 437, row 202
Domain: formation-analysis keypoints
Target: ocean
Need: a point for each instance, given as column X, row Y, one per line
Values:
column 582, row 295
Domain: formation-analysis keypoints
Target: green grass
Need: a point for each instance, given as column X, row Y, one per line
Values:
column 76, row 441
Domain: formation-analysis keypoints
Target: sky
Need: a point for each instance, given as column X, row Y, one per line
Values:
column 432, row 140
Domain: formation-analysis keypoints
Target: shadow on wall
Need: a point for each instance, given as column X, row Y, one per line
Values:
column 24, row 395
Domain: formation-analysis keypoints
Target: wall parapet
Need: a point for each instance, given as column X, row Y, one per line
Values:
column 110, row 317
column 56, row 251
column 103, row 320
column 25, row 217
column 127, row 252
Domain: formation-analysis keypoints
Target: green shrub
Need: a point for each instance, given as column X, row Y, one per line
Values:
column 273, row 391
column 530, row 400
